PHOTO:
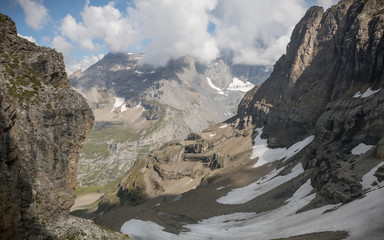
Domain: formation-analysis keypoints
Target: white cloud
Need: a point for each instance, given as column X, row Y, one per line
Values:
column 62, row 45
column 84, row 63
column 256, row 32
column 29, row 38
column 105, row 23
column 72, row 64
column 36, row 14
column 176, row 28
column 327, row 3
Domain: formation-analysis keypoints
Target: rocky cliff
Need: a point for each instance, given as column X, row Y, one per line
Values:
column 43, row 124
column 314, row 90
column 328, row 84
column 306, row 147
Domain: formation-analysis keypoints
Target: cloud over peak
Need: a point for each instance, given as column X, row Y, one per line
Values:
column 176, row 28
column 257, row 32
column 254, row 32
column 105, row 23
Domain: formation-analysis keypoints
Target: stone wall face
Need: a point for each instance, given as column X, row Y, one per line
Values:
column 42, row 126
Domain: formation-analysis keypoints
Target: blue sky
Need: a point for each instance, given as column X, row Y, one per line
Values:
column 255, row 31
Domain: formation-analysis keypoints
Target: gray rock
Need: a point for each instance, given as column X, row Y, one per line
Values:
column 43, row 125
column 331, row 57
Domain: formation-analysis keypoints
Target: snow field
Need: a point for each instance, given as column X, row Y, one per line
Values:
column 261, row 186
column 219, row 91
column 362, row 218
column 238, row 85
column 366, row 94
column 361, row 149
column 368, row 179
column 268, row 155
column 118, row 103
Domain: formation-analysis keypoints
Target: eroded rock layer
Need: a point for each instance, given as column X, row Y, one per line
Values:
column 42, row 126
column 328, row 84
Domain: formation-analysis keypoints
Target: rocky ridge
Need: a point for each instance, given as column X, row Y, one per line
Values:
column 326, row 88
column 43, row 125
column 152, row 105
column 314, row 89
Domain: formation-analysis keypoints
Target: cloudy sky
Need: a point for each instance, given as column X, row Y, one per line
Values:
column 254, row 31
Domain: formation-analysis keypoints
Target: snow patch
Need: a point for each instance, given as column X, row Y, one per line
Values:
column 124, row 108
column 177, row 198
column 366, row 94
column 137, row 106
column 282, row 222
column 118, row 103
column 368, row 179
column 261, row 186
column 219, row 91
column 212, row 134
column 220, row 188
column 268, row 155
column 138, row 229
column 224, row 126
column 198, row 185
column 191, row 180
column 361, row 149
column 238, row 85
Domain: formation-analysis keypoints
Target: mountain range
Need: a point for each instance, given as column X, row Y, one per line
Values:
column 301, row 158
column 140, row 107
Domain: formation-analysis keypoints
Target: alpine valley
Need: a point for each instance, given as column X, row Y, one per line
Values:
column 200, row 150
column 140, row 107
column 301, row 159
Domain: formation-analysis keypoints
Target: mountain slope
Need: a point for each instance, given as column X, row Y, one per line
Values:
column 305, row 150
column 43, row 124
column 139, row 107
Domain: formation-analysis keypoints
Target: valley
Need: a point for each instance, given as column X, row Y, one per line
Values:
column 138, row 108
column 301, row 159
column 196, row 148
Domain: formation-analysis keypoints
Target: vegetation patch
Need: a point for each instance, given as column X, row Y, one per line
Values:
column 132, row 189
column 89, row 190
column 117, row 132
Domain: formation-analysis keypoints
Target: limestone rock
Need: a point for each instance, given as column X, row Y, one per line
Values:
column 317, row 88
column 42, row 125
column 380, row 174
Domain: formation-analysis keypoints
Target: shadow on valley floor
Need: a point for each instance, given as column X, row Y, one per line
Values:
column 337, row 235
column 174, row 211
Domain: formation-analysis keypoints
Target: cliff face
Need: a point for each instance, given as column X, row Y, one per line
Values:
column 316, row 122
column 42, row 126
column 318, row 88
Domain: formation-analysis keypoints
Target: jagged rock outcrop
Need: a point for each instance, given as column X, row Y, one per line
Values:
column 153, row 105
column 180, row 165
column 42, row 126
column 315, row 128
column 314, row 88
column 328, row 84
